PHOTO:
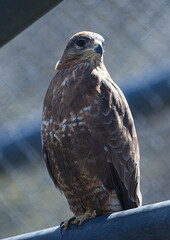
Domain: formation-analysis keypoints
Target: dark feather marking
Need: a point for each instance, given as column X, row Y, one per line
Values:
column 49, row 166
column 121, row 191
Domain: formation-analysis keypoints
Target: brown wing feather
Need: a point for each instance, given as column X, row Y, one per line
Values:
column 121, row 143
column 49, row 166
column 112, row 128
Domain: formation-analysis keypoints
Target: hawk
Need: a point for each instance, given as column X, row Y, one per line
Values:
column 89, row 139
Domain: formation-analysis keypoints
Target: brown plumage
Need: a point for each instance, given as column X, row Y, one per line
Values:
column 89, row 139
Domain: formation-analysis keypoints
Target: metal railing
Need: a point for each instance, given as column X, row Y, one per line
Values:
column 150, row 222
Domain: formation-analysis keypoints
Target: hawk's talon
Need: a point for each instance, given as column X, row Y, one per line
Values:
column 69, row 223
column 66, row 224
column 77, row 224
column 96, row 213
column 61, row 223
column 77, row 220
column 61, row 227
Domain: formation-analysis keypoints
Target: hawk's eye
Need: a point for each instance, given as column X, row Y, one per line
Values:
column 80, row 42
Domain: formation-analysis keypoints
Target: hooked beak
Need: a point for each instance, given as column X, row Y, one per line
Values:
column 98, row 48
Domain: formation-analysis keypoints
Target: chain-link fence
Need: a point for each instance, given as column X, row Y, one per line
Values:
column 137, row 41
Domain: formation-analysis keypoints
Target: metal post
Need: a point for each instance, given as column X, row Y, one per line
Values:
column 16, row 15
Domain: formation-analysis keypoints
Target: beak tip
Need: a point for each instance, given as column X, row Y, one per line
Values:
column 99, row 49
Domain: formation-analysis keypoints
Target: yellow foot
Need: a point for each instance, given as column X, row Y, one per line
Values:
column 77, row 220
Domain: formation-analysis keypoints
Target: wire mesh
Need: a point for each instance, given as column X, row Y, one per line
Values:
column 137, row 40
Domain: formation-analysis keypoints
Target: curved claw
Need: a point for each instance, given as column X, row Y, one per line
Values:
column 96, row 213
column 78, row 220
column 61, row 224
column 69, row 222
column 77, row 224
column 61, row 227
column 66, row 224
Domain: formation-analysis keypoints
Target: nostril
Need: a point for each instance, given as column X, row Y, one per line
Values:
column 99, row 49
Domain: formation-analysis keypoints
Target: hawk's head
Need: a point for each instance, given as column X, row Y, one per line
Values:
column 82, row 47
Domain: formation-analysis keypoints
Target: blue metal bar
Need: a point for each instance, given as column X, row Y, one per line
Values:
column 16, row 15
column 150, row 222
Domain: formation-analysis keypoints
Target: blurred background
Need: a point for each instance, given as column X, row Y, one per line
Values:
column 137, row 49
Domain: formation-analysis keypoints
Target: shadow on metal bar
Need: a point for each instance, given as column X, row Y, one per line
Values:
column 145, row 98
column 150, row 222
column 16, row 15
